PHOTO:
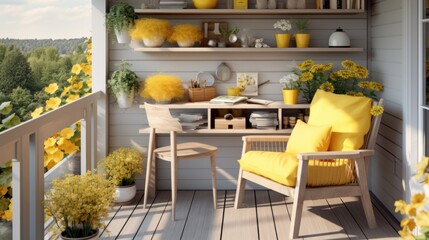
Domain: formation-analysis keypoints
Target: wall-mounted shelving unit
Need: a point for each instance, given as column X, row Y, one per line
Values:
column 244, row 50
column 249, row 11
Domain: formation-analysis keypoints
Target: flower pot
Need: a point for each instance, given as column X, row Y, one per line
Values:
column 186, row 43
column 204, row 4
column 122, row 35
column 154, row 41
column 290, row 96
column 125, row 193
column 125, row 101
column 94, row 236
column 282, row 40
column 302, row 40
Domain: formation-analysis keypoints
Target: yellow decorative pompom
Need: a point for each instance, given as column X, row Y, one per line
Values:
column 162, row 87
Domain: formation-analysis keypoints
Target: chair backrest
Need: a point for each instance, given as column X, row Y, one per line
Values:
column 160, row 118
column 371, row 136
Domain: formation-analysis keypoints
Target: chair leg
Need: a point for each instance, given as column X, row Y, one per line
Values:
column 214, row 185
column 173, row 188
column 298, row 199
column 365, row 198
column 147, row 187
column 241, row 185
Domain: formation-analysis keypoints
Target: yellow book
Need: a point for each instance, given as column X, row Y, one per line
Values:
column 240, row 4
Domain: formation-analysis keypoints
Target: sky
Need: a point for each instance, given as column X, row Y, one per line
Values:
column 44, row 19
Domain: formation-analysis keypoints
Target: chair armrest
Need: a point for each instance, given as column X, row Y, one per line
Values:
column 265, row 138
column 336, row 155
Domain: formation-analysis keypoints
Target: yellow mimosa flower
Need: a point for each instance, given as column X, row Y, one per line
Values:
column 67, row 133
column 421, row 167
column 76, row 69
column 37, row 112
column 52, row 88
column 52, row 103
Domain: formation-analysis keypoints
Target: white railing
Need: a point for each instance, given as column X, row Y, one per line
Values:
column 24, row 145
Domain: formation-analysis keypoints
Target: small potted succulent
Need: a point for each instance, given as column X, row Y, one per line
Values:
column 163, row 88
column 291, row 86
column 78, row 203
column 302, row 36
column 152, row 31
column 124, row 84
column 121, row 167
column 120, row 20
column 185, row 35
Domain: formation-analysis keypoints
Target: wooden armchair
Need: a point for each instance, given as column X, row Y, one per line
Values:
column 358, row 161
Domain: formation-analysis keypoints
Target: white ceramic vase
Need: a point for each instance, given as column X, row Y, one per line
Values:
column 125, row 193
column 186, row 43
column 122, row 35
column 153, row 42
column 125, row 101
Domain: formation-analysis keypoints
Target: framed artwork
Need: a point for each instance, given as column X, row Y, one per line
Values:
column 249, row 83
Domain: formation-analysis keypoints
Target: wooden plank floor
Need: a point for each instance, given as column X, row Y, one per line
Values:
column 265, row 215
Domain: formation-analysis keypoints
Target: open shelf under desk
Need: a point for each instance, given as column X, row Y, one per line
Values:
column 207, row 105
column 224, row 131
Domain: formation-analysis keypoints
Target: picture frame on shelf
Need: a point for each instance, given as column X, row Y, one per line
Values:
column 248, row 82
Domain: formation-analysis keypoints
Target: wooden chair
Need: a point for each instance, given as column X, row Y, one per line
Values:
column 160, row 119
column 359, row 187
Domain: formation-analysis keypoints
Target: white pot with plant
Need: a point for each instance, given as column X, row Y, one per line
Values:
column 151, row 31
column 65, row 200
column 121, row 167
column 124, row 84
column 290, row 89
column 120, row 20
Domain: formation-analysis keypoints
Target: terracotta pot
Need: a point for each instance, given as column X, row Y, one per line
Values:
column 302, row 40
column 282, row 40
column 125, row 193
column 290, row 96
column 92, row 237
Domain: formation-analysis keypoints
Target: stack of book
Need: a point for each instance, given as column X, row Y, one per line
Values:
column 172, row 4
column 264, row 120
column 192, row 121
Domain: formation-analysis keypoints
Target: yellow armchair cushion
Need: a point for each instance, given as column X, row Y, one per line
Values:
column 307, row 138
column 281, row 167
column 349, row 117
column 330, row 172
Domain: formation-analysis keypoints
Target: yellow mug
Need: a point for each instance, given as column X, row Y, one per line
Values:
column 233, row 91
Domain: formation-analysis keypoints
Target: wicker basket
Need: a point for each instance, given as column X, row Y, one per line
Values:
column 201, row 94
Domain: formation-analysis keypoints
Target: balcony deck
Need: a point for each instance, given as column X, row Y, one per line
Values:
column 266, row 215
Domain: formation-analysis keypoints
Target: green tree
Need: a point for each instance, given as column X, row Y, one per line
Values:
column 22, row 100
column 15, row 72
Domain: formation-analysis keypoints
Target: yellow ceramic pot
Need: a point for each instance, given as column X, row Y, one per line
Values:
column 290, row 96
column 282, row 40
column 204, row 4
column 233, row 91
column 302, row 40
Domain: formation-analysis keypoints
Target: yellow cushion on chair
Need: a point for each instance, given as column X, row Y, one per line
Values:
column 349, row 117
column 307, row 138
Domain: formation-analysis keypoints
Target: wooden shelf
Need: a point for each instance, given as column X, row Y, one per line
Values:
column 226, row 131
column 249, row 11
column 244, row 50
column 207, row 105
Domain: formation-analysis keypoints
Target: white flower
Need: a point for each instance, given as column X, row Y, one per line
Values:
column 290, row 81
column 283, row 25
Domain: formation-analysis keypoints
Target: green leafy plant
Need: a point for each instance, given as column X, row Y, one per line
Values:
column 122, row 165
column 123, row 80
column 78, row 202
column 226, row 33
column 121, row 15
column 301, row 25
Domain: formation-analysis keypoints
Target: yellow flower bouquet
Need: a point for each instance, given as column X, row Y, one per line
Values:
column 78, row 202
column 185, row 35
column 417, row 214
column 152, row 31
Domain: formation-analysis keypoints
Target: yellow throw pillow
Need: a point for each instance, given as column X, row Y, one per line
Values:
column 278, row 166
column 349, row 117
column 307, row 138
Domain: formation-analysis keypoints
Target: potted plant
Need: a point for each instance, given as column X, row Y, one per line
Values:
column 120, row 167
column 302, row 37
column 185, row 35
column 120, row 19
column 163, row 88
column 152, row 31
column 78, row 202
column 124, row 83
column 282, row 38
column 290, row 88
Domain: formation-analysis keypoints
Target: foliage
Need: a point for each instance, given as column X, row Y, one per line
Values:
column 122, row 165
column 63, row 46
column 15, row 72
column 416, row 214
column 301, row 25
column 226, row 33
column 123, row 80
column 9, row 120
column 348, row 80
column 6, row 191
column 162, row 87
column 121, row 15
column 283, row 25
column 150, row 28
column 290, row 81
column 185, row 32
column 78, row 202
